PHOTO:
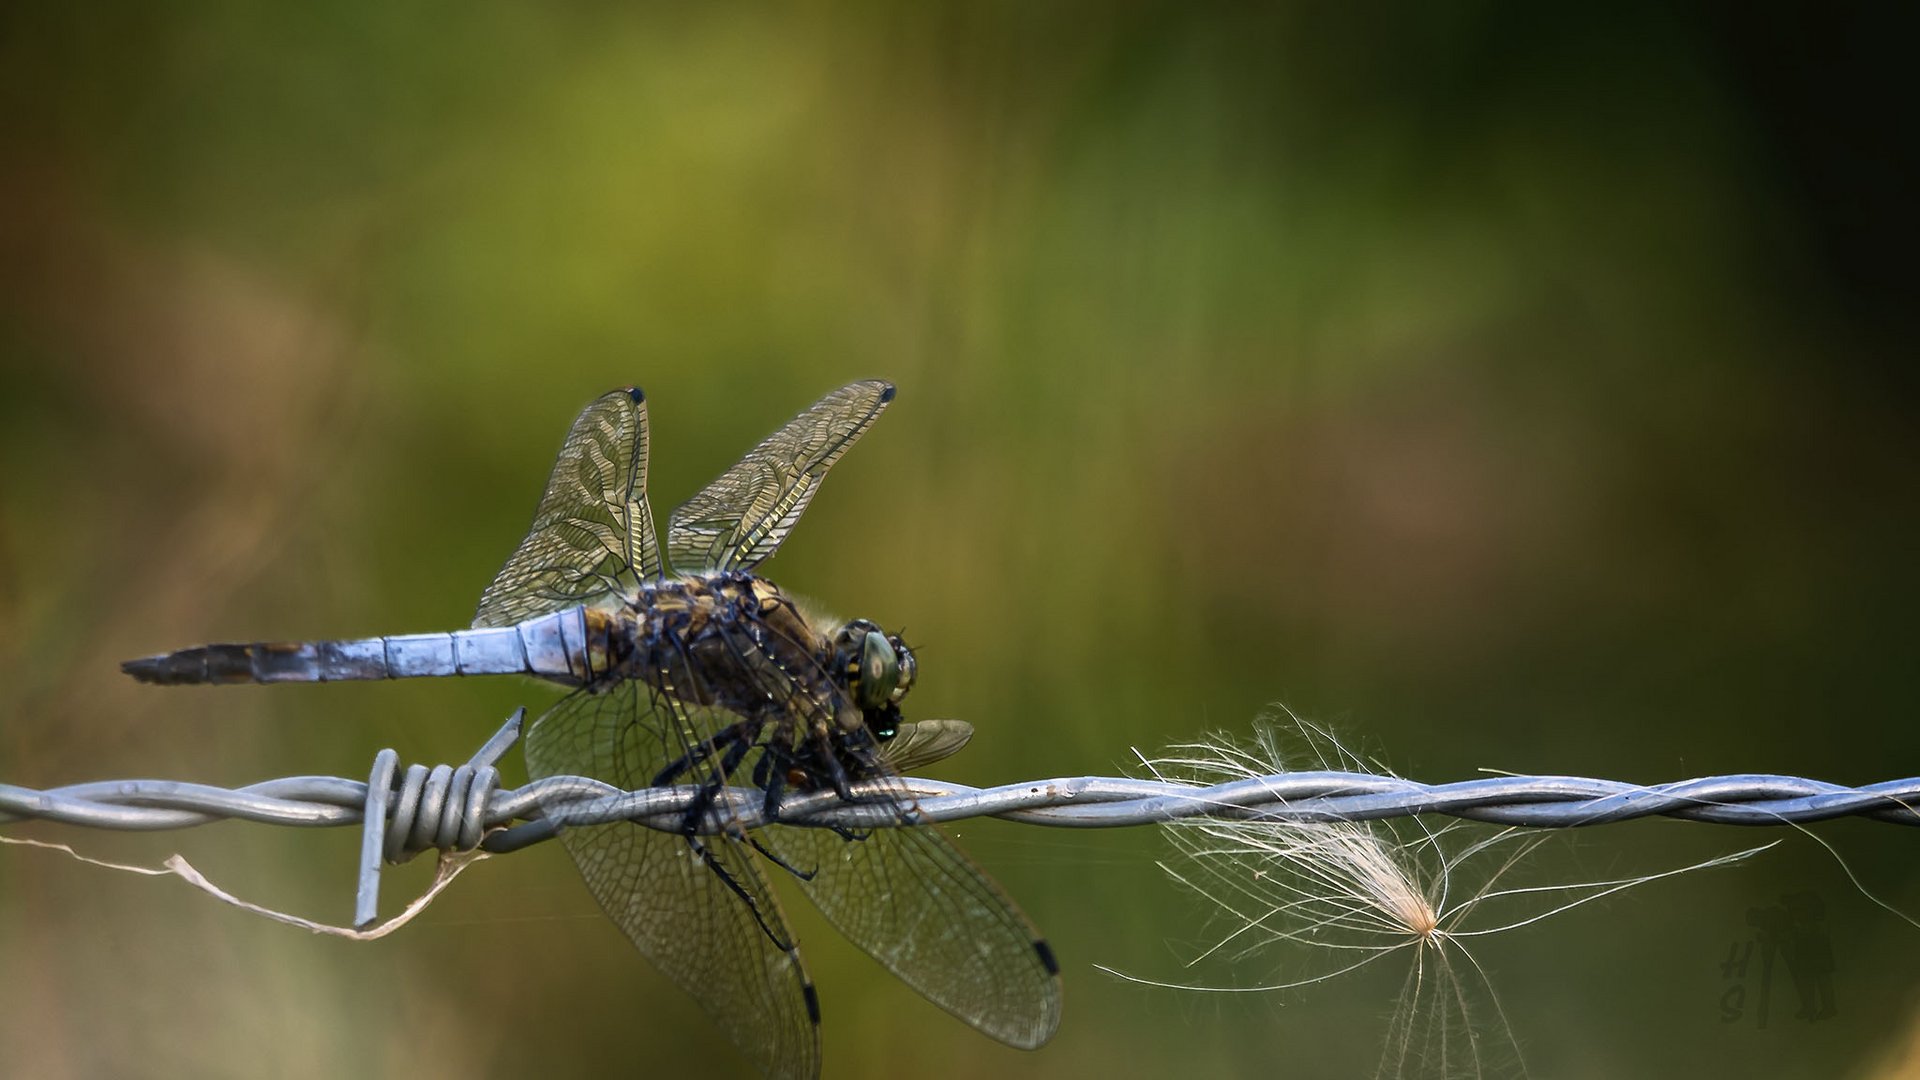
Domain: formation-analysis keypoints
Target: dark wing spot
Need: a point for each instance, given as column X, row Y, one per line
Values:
column 1045, row 952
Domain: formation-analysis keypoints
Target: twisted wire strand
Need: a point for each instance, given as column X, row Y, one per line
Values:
column 450, row 808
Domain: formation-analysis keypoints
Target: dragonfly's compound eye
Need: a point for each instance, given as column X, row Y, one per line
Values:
column 909, row 670
column 879, row 671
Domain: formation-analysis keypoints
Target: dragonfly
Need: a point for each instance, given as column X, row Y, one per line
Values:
column 694, row 671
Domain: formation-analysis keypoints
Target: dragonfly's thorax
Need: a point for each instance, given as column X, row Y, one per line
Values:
column 735, row 640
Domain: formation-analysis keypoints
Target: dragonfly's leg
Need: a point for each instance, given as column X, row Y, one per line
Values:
column 836, row 772
column 700, row 852
column 774, row 772
column 774, row 783
column 770, row 772
column 690, row 760
column 774, row 858
column 842, row 783
column 702, row 803
column 772, row 809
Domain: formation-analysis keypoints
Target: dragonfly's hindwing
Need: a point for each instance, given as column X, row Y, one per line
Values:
column 913, row 901
column 726, row 945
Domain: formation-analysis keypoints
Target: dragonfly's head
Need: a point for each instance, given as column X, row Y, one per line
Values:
column 878, row 669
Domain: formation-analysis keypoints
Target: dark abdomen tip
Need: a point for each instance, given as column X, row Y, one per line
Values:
column 202, row 664
column 147, row 669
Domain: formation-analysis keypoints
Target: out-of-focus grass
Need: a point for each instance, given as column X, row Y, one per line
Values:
column 1512, row 388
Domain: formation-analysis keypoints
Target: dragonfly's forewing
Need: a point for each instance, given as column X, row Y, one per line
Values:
column 730, row 949
column 911, row 900
column 739, row 520
column 923, row 742
column 592, row 534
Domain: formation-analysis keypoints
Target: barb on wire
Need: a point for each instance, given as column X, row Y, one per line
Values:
column 458, row 809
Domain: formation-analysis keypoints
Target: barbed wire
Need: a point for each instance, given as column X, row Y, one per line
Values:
column 449, row 808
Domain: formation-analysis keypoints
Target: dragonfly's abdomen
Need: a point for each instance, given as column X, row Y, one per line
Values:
column 567, row 646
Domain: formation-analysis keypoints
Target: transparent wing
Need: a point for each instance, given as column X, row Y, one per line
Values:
column 672, row 897
column 910, row 899
column 739, row 520
column 592, row 534
column 921, row 743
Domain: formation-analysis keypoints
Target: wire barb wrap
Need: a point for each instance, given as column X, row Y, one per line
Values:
column 443, row 809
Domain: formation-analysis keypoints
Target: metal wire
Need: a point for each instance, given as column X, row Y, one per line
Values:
column 456, row 809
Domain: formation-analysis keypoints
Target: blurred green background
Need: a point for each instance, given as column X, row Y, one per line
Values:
column 1510, row 389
